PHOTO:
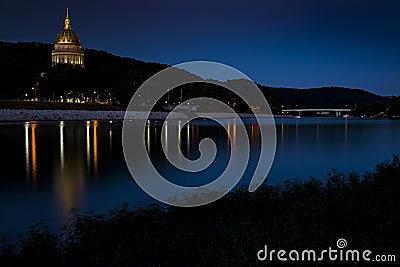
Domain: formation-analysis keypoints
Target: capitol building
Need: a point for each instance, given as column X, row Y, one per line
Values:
column 67, row 49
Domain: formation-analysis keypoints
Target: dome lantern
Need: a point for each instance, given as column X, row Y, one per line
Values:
column 67, row 22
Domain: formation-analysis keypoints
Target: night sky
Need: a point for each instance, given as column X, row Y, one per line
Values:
column 284, row 43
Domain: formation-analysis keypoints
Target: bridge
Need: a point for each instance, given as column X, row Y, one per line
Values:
column 338, row 111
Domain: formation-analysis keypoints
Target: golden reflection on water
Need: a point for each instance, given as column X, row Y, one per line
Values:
column 234, row 134
column 62, row 158
column 229, row 134
column 69, row 161
column 88, row 144
column 34, row 158
column 69, row 171
column 95, row 155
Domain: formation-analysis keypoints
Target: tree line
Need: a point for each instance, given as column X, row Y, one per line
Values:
column 26, row 72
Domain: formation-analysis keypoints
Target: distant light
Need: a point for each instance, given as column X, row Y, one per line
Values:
column 111, row 121
column 61, row 122
column 87, row 122
column 27, row 123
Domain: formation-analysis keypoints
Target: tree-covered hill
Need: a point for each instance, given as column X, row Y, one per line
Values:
column 320, row 97
column 24, row 66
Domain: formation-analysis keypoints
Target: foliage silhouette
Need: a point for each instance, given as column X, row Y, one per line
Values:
column 298, row 215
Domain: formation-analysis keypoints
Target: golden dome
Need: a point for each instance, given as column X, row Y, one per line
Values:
column 67, row 49
column 67, row 35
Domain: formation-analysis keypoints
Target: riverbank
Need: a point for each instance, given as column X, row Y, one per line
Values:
column 34, row 110
column 39, row 105
column 310, row 215
column 48, row 115
column 65, row 115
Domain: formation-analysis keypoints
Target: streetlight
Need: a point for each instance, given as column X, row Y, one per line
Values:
column 91, row 96
column 34, row 89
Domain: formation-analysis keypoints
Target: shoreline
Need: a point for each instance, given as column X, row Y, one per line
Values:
column 21, row 115
column 14, row 115
column 56, row 115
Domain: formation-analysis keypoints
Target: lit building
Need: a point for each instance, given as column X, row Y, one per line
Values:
column 67, row 49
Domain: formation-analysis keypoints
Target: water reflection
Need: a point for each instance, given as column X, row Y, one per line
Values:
column 27, row 158
column 69, row 171
column 95, row 154
column 88, row 144
column 61, row 160
column 234, row 135
column 166, row 138
column 110, row 140
column 30, row 154
column 255, row 136
column 148, row 139
column 62, row 157
column 34, row 158
column 231, row 134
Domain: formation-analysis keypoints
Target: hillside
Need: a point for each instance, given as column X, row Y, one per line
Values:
column 338, row 97
column 24, row 65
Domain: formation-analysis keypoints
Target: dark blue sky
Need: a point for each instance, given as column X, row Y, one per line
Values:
column 286, row 43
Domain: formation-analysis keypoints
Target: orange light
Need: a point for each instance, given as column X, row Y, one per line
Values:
column 95, row 159
column 34, row 159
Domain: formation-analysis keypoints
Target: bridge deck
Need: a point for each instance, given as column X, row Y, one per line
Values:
column 319, row 109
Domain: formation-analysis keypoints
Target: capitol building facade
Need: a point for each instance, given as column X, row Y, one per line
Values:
column 67, row 49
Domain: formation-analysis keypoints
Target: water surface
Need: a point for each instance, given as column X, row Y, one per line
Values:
column 55, row 170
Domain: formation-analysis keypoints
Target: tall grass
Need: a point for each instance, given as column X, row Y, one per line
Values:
column 364, row 209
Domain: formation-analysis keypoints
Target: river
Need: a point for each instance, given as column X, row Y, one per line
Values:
column 55, row 170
